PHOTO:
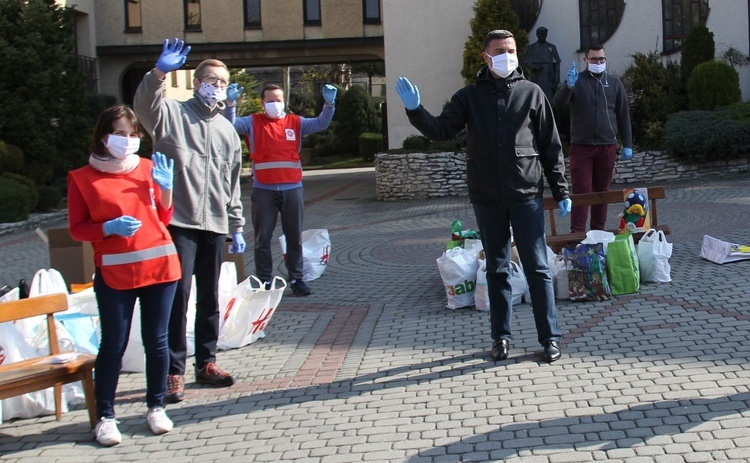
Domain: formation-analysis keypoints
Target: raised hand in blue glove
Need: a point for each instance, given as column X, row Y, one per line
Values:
column 233, row 93
column 123, row 226
column 173, row 56
column 238, row 243
column 626, row 154
column 163, row 171
column 329, row 93
column 565, row 206
column 409, row 93
column 572, row 76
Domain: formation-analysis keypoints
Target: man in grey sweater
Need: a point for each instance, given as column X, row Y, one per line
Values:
column 208, row 159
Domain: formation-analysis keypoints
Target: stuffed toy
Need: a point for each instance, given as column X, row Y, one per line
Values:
column 634, row 215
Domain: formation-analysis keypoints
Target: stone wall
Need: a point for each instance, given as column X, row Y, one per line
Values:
column 429, row 175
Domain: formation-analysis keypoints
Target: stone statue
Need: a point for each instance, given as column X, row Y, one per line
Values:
column 543, row 63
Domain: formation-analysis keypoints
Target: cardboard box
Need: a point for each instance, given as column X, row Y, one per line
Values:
column 238, row 259
column 73, row 259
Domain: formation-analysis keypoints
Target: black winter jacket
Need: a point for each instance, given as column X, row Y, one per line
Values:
column 511, row 138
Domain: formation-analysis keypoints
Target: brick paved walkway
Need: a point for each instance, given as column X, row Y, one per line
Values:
column 373, row 367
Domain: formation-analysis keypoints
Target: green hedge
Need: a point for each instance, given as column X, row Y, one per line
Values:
column 49, row 198
column 369, row 144
column 29, row 185
column 705, row 136
column 15, row 204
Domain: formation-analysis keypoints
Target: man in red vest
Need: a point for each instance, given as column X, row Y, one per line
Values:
column 274, row 140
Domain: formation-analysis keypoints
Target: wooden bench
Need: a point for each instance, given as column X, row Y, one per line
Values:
column 39, row 373
column 557, row 241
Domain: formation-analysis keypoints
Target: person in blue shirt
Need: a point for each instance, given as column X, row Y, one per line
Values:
column 274, row 139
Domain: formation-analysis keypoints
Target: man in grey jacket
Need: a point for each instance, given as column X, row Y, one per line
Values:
column 512, row 146
column 207, row 206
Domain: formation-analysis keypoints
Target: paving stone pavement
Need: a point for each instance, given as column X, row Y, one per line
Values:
column 373, row 367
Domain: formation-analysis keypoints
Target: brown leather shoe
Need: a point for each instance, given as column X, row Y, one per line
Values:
column 213, row 375
column 175, row 389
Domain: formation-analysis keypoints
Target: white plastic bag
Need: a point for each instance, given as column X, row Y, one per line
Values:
column 559, row 272
column 599, row 236
column 722, row 252
column 249, row 311
column 316, row 247
column 458, row 270
column 518, row 284
column 134, row 357
column 481, row 298
column 653, row 256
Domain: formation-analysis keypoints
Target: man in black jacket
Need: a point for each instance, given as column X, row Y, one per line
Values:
column 512, row 144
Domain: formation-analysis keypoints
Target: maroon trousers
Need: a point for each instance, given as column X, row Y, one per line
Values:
column 591, row 168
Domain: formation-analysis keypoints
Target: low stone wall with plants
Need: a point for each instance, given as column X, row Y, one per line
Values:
column 431, row 175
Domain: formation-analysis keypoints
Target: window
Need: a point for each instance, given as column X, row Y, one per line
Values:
column 252, row 14
column 678, row 17
column 599, row 20
column 133, row 16
column 527, row 11
column 371, row 11
column 192, row 15
column 312, row 12
column 173, row 79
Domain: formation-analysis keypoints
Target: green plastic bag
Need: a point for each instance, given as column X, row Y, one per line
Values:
column 458, row 235
column 622, row 265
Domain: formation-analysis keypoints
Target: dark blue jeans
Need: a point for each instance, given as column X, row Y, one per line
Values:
column 527, row 220
column 266, row 206
column 201, row 253
column 115, row 318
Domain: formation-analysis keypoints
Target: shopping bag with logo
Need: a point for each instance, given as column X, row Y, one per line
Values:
column 249, row 311
column 587, row 274
column 653, row 254
column 316, row 248
column 622, row 265
column 458, row 270
column 722, row 252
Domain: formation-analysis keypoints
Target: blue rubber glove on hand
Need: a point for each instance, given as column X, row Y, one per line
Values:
column 123, row 226
column 163, row 171
column 572, row 76
column 238, row 243
column 233, row 93
column 329, row 93
column 565, row 206
column 626, row 154
column 409, row 93
column 172, row 56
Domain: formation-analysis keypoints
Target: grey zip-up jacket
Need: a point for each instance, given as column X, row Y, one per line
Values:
column 207, row 157
column 512, row 139
column 598, row 110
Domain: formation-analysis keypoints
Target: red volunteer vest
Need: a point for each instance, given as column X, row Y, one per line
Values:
column 149, row 256
column 276, row 145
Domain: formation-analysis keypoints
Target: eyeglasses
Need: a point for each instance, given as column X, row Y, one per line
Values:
column 213, row 80
column 597, row 59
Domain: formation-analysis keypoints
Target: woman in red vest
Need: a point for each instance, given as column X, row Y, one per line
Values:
column 122, row 204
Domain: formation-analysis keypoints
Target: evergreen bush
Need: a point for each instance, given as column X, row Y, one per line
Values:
column 713, row 84
column 356, row 114
column 698, row 47
column 416, row 142
column 15, row 204
column 369, row 144
column 30, row 187
column 722, row 134
column 11, row 158
column 49, row 198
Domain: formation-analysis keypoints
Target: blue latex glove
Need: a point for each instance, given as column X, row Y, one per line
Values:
column 172, row 56
column 163, row 171
column 233, row 93
column 626, row 154
column 329, row 93
column 565, row 206
column 238, row 243
column 123, row 226
column 572, row 76
column 409, row 93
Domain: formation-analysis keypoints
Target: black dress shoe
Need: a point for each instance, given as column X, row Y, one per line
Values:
column 551, row 351
column 500, row 349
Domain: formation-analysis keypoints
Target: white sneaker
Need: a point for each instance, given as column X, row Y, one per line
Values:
column 158, row 420
column 107, row 433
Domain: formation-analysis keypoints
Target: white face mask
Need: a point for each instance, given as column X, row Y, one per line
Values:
column 274, row 109
column 120, row 147
column 212, row 94
column 597, row 68
column 504, row 65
